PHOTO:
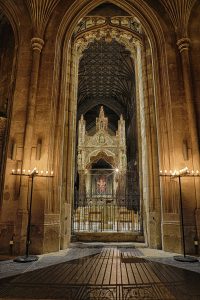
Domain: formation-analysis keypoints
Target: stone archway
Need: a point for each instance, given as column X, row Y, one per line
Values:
column 149, row 158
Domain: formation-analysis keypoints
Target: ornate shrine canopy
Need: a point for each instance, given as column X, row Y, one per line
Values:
column 102, row 145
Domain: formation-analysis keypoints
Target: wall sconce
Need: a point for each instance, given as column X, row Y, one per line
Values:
column 38, row 150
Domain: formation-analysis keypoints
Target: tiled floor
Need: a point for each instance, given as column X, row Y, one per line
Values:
column 100, row 271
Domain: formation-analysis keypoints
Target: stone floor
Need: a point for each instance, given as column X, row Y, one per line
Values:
column 101, row 271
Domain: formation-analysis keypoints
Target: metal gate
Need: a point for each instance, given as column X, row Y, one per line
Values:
column 105, row 218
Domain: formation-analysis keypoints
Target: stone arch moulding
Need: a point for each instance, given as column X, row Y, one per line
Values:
column 129, row 40
column 107, row 155
column 67, row 98
column 11, row 12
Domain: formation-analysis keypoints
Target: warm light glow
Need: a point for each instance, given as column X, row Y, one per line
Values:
column 41, row 171
column 29, row 171
column 13, row 171
column 47, row 172
column 184, row 171
column 170, row 171
column 24, row 171
column 165, row 171
column 160, row 171
column 18, row 170
column 51, row 172
column 197, row 171
column 117, row 170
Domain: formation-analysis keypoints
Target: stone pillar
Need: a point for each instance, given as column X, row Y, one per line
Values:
column 37, row 44
column 70, row 143
column 183, row 46
column 149, row 181
column 3, row 124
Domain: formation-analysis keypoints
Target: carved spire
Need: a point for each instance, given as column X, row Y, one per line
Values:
column 121, row 130
column 101, row 121
column 40, row 11
column 179, row 13
column 81, row 130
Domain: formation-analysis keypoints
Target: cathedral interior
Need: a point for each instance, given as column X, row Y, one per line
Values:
column 99, row 124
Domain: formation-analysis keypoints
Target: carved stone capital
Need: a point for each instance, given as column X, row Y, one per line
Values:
column 183, row 44
column 37, row 44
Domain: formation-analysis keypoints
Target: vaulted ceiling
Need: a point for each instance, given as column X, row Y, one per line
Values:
column 106, row 77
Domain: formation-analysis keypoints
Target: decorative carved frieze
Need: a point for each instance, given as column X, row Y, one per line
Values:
column 95, row 22
column 128, row 39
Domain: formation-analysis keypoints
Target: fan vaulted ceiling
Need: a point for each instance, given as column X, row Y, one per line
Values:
column 106, row 77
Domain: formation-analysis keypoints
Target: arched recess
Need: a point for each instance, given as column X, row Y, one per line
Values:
column 107, row 156
column 9, row 30
column 67, row 115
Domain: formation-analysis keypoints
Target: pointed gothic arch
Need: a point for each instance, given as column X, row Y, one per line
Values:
column 67, row 104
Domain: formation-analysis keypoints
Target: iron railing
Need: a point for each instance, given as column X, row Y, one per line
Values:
column 105, row 218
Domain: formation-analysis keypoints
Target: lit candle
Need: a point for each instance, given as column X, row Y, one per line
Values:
column 51, row 172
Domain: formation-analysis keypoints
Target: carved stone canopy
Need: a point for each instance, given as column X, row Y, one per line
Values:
column 102, row 144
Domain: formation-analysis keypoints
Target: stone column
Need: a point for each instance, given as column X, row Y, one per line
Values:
column 183, row 46
column 149, row 180
column 3, row 124
column 37, row 44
